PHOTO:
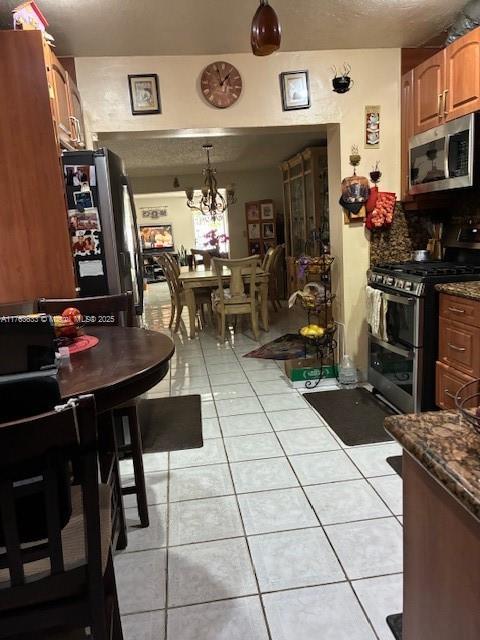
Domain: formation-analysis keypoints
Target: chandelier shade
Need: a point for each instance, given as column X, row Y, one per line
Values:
column 266, row 33
column 212, row 203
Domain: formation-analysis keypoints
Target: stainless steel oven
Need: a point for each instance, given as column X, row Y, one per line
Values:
column 443, row 158
column 396, row 360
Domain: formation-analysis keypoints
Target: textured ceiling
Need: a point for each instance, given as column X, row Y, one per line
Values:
column 158, row 27
column 183, row 156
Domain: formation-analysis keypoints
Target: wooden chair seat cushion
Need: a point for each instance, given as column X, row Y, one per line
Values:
column 229, row 298
column 73, row 539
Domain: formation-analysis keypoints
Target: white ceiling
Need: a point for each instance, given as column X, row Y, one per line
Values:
column 184, row 155
column 181, row 27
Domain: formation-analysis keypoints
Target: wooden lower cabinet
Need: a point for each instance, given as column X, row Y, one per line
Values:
column 448, row 383
column 458, row 349
column 441, row 561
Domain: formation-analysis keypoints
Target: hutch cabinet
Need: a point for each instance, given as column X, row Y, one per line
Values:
column 305, row 194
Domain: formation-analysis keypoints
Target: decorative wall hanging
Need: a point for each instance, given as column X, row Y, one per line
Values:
column 160, row 212
column 342, row 81
column 144, row 94
column 355, row 192
column 295, row 90
column 266, row 32
column 372, row 127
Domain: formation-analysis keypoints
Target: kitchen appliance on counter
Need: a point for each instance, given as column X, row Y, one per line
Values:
column 444, row 157
column 101, row 213
column 402, row 366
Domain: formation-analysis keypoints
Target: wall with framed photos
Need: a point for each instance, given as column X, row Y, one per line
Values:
column 261, row 222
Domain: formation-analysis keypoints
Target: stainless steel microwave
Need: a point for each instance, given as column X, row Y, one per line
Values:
column 443, row 158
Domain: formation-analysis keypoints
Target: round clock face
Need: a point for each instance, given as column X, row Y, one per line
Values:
column 221, row 84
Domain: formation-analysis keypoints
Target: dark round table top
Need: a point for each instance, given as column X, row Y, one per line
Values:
column 124, row 364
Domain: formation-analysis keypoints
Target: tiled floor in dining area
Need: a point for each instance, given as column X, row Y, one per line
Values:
column 274, row 529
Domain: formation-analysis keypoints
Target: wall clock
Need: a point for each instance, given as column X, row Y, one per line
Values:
column 221, row 84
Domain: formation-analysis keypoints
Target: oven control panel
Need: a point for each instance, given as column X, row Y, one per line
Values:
column 394, row 282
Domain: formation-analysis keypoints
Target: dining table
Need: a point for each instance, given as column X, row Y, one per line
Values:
column 125, row 363
column 207, row 278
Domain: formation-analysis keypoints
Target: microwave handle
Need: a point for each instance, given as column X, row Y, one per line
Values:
column 447, row 155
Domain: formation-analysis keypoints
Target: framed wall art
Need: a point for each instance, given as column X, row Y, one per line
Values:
column 261, row 226
column 144, row 94
column 295, row 90
column 372, row 127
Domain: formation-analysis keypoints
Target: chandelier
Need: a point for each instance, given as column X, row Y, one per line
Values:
column 212, row 203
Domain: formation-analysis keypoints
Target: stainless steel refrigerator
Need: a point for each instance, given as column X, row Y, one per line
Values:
column 105, row 242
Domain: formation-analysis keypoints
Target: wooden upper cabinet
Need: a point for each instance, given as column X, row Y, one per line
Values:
column 62, row 103
column 429, row 79
column 462, row 84
column 408, row 129
column 76, row 115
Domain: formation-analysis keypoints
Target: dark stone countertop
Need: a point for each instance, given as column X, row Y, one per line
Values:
column 448, row 447
column 469, row 290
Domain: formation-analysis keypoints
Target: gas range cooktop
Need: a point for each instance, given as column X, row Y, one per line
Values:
column 428, row 269
column 416, row 278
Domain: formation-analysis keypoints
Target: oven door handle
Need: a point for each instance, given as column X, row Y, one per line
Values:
column 391, row 347
column 408, row 301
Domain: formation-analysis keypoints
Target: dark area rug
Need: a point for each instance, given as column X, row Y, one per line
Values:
column 395, row 623
column 287, row 347
column 170, row 424
column 355, row 415
column 396, row 463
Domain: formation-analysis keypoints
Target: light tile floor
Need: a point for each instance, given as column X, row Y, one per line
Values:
column 275, row 530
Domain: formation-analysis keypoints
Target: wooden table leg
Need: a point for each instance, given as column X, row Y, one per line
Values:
column 192, row 309
column 110, row 474
column 264, row 306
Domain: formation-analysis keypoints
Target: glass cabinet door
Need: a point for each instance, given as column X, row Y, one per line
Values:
column 298, row 215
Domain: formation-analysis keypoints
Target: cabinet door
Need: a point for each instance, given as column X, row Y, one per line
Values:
column 76, row 115
column 408, row 130
column 62, row 103
column 459, row 347
column 463, row 76
column 429, row 87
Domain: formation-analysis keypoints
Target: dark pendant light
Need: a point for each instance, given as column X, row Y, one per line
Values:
column 266, row 30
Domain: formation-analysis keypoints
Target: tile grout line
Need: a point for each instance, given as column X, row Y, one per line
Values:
column 252, row 564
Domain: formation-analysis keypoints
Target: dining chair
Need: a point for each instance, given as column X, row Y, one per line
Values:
column 274, row 269
column 206, row 258
column 119, row 307
column 56, row 568
column 177, row 294
column 267, row 259
column 240, row 297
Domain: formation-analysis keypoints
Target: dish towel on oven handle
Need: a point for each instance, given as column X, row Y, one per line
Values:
column 377, row 308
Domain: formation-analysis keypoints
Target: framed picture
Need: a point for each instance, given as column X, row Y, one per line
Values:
column 372, row 127
column 144, row 94
column 266, row 210
column 268, row 230
column 295, row 90
column 253, row 211
column 83, row 199
column 254, row 249
column 254, row 231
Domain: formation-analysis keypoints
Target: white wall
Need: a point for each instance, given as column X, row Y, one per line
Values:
column 376, row 72
column 249, row 185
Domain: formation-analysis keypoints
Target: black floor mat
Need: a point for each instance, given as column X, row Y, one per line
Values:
column 355, row 415
column 396, row 463
column 395, row 623
column 170, row 424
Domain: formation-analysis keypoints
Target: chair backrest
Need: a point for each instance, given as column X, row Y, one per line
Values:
column 205, row 255
column 267, row 259
column 238, row 269
column 275, row 259
column 172, row 275
column 172, row 261
column 118, row 309
column 30, row 452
